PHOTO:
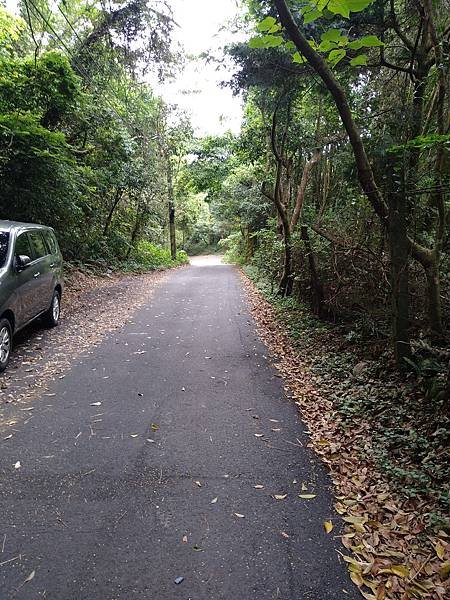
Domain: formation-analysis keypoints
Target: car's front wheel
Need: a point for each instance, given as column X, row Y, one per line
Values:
column 5, row 343
column 54, row 312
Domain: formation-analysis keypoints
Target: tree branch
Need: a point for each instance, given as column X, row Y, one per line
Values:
column 302, row 187
column 365, row 174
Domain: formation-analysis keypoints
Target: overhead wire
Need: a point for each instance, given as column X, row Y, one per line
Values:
column 71, row 26
column 129, row 82
column 84, row 74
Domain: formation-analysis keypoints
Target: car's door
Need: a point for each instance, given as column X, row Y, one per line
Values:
column 25, row 281
column 56, row 259
column 43, row 277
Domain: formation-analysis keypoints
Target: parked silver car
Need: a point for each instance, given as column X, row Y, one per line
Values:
column 31, row 283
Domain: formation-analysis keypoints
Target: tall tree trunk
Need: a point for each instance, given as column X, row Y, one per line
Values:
column 287, row 279
column 171, row 206
column 399, row 254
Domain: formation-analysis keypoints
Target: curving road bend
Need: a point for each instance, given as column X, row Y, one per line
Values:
column 138, row 469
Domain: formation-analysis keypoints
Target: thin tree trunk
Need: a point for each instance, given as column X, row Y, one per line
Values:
column 399, row 253
column 117, row 199
column 249, row 244
column 287, row 279
column 318, row 296
column 302, row 187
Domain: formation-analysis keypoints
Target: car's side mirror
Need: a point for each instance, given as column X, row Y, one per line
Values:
column 22, row 261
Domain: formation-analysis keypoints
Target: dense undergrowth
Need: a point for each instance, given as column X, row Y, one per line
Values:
column 407, row 415
column 146, row 257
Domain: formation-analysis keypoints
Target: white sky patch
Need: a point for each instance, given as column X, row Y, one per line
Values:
column 196, row 88
column 11, row 6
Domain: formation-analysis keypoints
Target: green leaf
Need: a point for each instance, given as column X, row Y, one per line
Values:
column 336, row 56
column 272, row 41
column 358, row 5
column 355, row 45
column 311, row 14
column 345, row 7
column 256, row 42
column 326, row 46
column 299, row 58
column 370, row 41
column 266, row 24
column 359, row 60
column 275, row 28
column 339, row 7
column 331, row 35
column 290, row 45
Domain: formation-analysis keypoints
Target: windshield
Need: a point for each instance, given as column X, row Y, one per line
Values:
column 4, row 241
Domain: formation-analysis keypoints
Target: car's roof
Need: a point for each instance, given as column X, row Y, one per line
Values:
column 10, row 225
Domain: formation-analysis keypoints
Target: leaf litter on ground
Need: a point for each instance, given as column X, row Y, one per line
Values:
column 396, row 555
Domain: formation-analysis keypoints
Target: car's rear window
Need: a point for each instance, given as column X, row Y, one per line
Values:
column 51, row 241
column 4, row 243
column 37, row 241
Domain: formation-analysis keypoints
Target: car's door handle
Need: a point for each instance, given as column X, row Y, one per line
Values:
column 36, row 275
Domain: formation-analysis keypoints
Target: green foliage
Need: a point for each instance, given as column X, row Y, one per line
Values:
column 148, row 257
column 422, row 142
column 83, row 148
column 268, row 256
column 332, row 43
column 11, row 31
column 47, row 87
column 234, row 248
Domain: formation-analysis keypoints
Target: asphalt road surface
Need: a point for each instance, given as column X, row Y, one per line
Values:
column 139, row 467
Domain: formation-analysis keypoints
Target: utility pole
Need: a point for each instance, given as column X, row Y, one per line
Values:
column 171, row 205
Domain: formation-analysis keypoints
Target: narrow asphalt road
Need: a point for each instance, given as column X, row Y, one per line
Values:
column 137, row 465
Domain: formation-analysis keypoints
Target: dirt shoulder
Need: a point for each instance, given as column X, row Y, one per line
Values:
column 397, row 552
column 92, row 306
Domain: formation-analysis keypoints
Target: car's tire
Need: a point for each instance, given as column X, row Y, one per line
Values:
column 5, row 343
column 51, row 317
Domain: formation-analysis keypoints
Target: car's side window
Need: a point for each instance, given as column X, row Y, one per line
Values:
column 39, row 247
column 22, row 246
column 51, row 242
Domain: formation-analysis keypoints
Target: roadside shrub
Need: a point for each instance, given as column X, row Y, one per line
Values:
column 234, row 246
column 149, row 257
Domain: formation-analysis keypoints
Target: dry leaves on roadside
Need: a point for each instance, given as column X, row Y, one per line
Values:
column 394, row 557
